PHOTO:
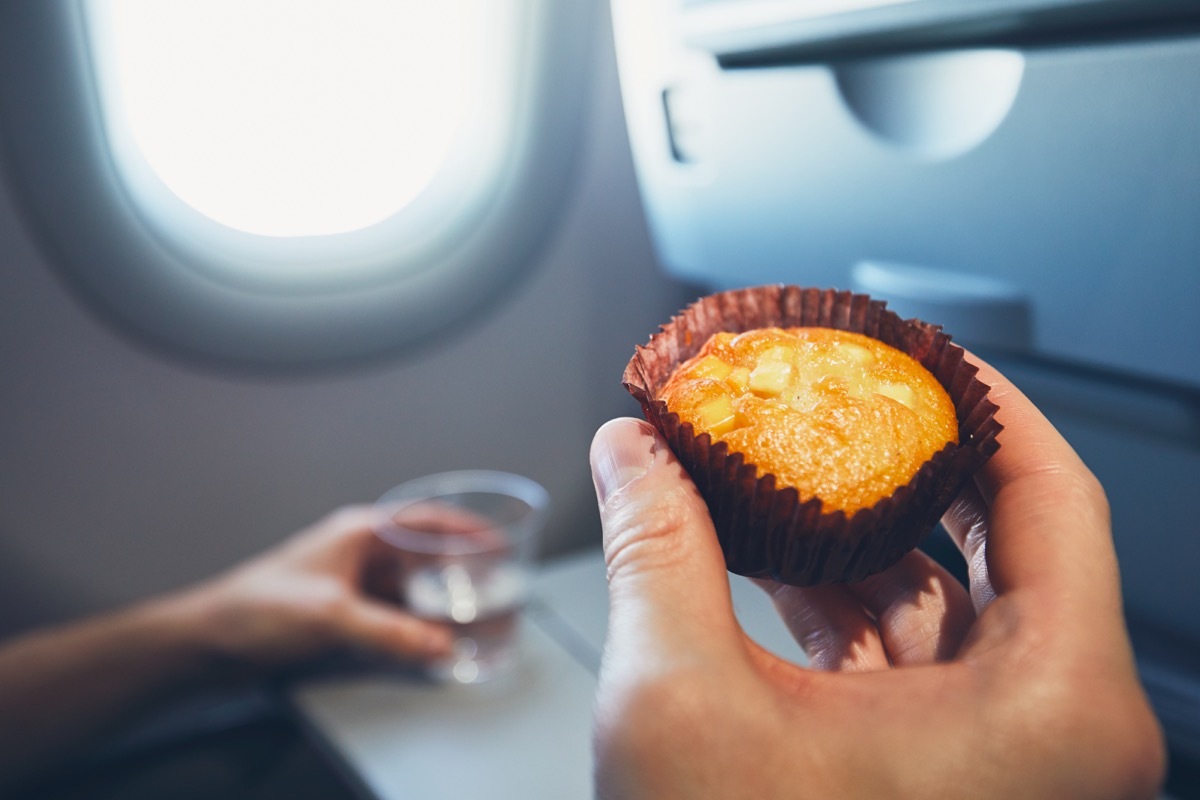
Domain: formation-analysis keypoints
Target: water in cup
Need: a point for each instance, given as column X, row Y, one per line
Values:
column 464, row 542
column 479, row 605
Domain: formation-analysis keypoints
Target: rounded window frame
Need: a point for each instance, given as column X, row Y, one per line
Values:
column 174, row 286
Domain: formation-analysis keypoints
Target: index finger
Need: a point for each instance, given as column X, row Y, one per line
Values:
column 1048, row 528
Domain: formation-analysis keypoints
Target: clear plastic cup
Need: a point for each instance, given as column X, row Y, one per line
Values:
column 466, row 542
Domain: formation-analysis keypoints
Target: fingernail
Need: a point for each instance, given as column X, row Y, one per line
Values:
column 622, row 452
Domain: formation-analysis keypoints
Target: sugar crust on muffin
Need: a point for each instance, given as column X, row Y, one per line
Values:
column 839, row 416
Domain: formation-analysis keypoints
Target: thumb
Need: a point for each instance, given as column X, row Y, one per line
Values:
column 668, row 588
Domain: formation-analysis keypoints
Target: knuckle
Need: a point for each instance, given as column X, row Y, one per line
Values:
column 347, row 516
column 1085, row 486
column 649, row 536
column 1133, row 756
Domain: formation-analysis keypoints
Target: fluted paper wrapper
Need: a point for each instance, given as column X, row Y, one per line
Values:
column 772, row 532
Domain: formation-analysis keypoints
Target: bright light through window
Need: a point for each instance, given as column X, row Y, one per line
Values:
column 291, row 117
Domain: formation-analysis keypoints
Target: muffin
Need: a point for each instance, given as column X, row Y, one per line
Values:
column 837, row 415
column 827, row 435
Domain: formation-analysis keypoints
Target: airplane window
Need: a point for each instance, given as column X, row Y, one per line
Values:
column 291, row 182
column 288, row 117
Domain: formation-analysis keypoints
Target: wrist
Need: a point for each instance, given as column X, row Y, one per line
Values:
column 172, row 634
column 196, row 632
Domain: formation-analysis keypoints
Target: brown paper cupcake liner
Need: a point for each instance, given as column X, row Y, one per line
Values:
column 770, row 532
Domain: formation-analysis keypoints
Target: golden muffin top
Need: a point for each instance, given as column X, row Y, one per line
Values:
column 837, row 415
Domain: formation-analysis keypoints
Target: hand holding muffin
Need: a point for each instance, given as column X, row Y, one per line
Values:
column 1023, row 687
